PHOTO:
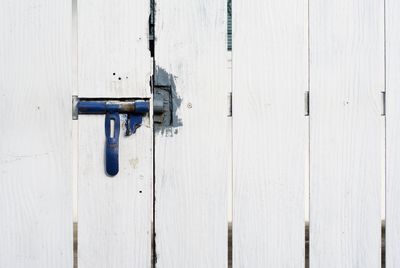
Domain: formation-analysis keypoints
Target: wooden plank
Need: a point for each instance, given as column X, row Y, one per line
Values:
column 35, row 148
column 192, row 155
column 114, row 213
column 113, row 55
column 346, row 80
column 392, row 133
column 270, row 72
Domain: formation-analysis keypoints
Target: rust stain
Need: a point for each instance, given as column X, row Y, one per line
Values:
column 134, row 162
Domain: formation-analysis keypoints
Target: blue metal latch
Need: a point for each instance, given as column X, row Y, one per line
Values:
column 135, row 110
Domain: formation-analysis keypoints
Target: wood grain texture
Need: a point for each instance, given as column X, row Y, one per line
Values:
column 113, row 55
column 114, row 213
column 392, row 133
column 35, row 148
column 192, row 156
column 346, row 80
column 270, row 78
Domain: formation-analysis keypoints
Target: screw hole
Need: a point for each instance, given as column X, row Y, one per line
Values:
column 140, row 192
column 113, row 73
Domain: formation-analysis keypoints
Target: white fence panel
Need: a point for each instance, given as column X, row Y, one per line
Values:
column 270, row 143
column 192, row 155
column 114, row 213
column 282, row 49
column 393, row 133
column 113, row 55
column 346, row 80
column 35, row 148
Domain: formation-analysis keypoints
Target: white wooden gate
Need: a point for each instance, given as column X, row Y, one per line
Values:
column 302, row 162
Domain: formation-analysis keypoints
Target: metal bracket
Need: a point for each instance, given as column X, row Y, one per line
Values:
column 163, row 106
column 307, row 103
column 230, row 104
column 135, row 110
column 383, row 95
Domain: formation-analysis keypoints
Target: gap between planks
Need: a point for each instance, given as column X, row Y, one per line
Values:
column 307, row 241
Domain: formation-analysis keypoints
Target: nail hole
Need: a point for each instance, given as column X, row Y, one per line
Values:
column 113, row 73
column 140, row 191
column 119, row 78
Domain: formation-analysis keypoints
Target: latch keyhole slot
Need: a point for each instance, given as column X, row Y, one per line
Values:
column 112, row 125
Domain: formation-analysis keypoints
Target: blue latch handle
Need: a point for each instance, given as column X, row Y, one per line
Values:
column 112, row 144
column 112, row 109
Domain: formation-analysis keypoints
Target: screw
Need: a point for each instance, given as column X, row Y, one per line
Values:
column 189, row 105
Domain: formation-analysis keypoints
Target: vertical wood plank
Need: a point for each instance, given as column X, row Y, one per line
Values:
column 114, row 213
column 113, row 55
column 192, row 155
column 35, row 144
column 270, row 71
column 346, row 80
column 393, row 133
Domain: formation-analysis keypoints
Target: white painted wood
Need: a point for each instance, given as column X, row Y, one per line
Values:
column 35, row 144
column 392, row 133
column 346, row 80
column 192, row 157
column 114, row 213
column 270, row 78
column 113, row 38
